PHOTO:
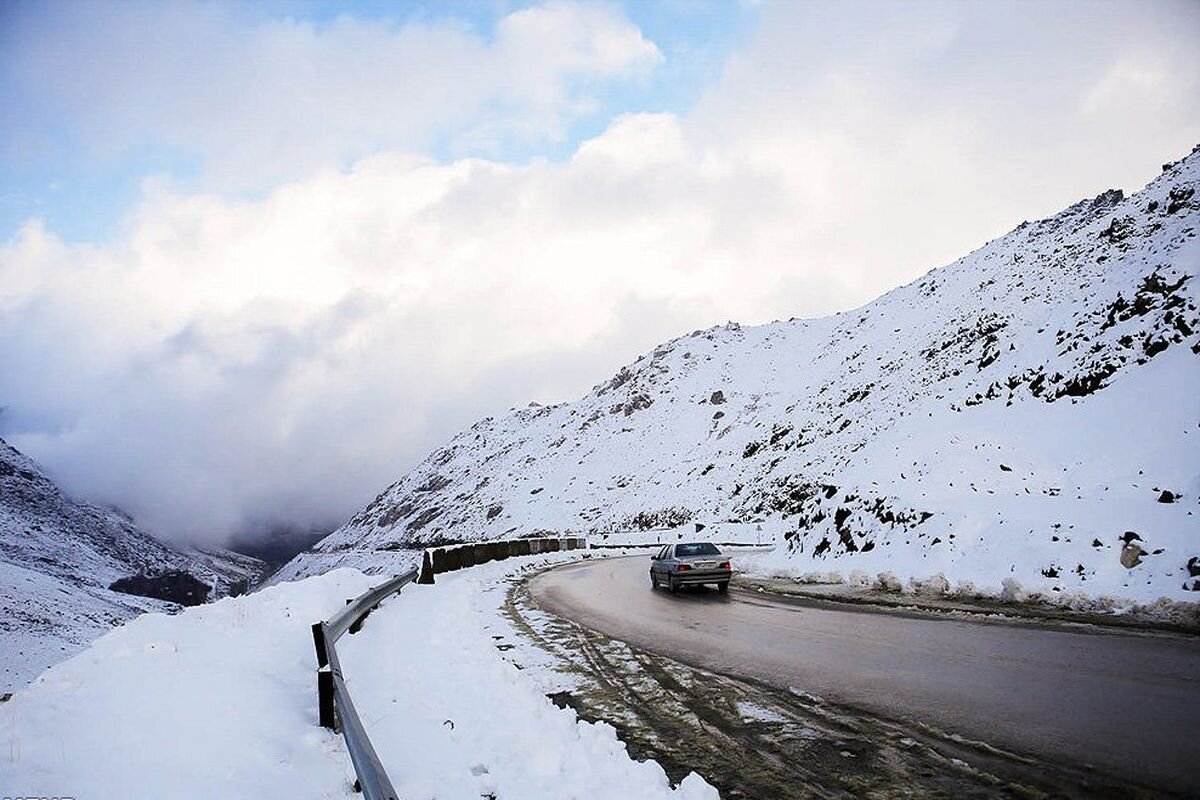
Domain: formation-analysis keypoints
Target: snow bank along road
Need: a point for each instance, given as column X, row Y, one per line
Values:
column 1127, row 704
column 219, row 701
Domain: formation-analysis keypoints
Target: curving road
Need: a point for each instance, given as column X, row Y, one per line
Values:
column 1126, row 703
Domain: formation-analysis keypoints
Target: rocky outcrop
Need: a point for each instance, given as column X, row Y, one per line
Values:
column 174, row 587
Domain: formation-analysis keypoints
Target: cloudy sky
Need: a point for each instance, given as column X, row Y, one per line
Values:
column 257, row 260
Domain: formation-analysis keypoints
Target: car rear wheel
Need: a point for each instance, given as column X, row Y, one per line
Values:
column 723, row 587
column 653, row 581
column 672, row 584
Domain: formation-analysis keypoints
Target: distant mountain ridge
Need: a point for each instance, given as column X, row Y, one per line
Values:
column 1029, row 411
column 58, row 557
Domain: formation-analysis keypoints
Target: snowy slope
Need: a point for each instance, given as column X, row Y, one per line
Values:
column 1026, row 411
column 57, row 559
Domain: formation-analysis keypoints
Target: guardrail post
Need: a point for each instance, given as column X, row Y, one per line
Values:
column 325, row 710
column 318, row 630
column 356, row 626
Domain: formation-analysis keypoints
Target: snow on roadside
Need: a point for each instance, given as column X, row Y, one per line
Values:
column 219, row 701
column 451, row 717
column 936, row 591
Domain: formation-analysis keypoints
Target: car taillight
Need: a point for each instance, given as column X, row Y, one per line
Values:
column 726, row 566
column 684, row 567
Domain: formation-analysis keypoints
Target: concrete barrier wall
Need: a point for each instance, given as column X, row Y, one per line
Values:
column 437, row 560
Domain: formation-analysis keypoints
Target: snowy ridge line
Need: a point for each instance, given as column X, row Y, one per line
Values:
column 336, row 709
column 1016, row 415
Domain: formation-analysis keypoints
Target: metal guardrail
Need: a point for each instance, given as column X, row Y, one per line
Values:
column 335, row 709
column 334, row 706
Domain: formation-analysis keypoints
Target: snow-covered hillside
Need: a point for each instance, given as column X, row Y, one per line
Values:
column 1032, row 410
column 57, row 560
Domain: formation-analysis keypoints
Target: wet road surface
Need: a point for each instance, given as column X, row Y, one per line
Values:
column 1123, row 703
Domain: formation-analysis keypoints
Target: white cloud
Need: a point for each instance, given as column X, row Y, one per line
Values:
column 225, row 361
column 261, row 99
column 287, row 357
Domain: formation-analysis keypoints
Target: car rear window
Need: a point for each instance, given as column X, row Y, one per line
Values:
column 701, row 549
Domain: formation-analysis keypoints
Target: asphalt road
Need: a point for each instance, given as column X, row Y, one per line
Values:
column 1125, row 703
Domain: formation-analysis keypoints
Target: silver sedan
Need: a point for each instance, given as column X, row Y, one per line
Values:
column 690, row 564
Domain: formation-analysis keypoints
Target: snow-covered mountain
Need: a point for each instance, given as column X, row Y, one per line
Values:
column 1031, row 410
column 59, row 556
